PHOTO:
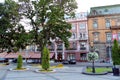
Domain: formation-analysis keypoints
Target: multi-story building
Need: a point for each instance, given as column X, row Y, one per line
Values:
column 78, row 42
column 103, row 28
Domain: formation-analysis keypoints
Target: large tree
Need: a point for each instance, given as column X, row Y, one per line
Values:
column 12, row 33
column 47, row 20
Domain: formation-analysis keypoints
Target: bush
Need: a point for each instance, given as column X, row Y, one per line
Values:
column 45, row 59
column 19, row 62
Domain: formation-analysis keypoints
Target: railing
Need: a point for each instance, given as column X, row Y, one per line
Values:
column 71, row 49
column 82, row 38
column 115, row 27
column 51, row 49
column 83, row 48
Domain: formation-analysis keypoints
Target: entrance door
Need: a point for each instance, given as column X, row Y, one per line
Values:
column 59, row 57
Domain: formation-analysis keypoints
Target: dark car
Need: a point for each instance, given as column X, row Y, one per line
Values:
column 14, row 60
column 72, row 61
column 65, row 62
column 3, row 60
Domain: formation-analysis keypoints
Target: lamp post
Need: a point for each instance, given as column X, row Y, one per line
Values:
column 110, row 56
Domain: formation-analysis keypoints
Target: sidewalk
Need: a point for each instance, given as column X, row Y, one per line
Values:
column 3, row 71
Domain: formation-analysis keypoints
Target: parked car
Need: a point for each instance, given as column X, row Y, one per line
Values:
column 14, row 60
column 3, row 60
column 72, row 61
column 65, row 62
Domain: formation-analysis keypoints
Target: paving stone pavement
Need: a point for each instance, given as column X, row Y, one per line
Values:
column 66, row 73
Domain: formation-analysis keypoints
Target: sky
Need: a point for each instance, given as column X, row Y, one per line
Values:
column 84, row 5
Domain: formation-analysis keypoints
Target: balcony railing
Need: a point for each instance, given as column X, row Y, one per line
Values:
column 115, row 27
column 59, row 49
column 83, row 48
column 71, row 49
column 83, row 38
column 51, row 49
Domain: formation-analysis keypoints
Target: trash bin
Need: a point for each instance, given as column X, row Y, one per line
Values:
column 116, row 71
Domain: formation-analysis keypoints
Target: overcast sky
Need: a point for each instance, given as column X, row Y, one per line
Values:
column 84, row 5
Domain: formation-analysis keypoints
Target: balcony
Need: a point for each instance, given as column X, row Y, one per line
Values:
column 51, row 49
column 71, row 49
column 59, row 49
column 115, row 27
column 83, row 48
column 83, row 39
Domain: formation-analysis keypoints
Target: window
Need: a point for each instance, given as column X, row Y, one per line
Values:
column 59, row 46
column 118, row 22
column 83, row 35
column 73, row 35
column 74, row 45
column 95, row 24
column 73, row 26
column 119, row 36
column 96, row 36
column 108, row 37
column 82, row 25
column 82, row 46
column 107, row 23
column 80, row 35
column 71, row 56
column 83, row 56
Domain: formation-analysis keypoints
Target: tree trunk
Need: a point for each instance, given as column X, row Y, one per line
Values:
column 93, row 67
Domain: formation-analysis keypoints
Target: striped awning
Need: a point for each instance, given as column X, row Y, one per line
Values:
column 34, row 55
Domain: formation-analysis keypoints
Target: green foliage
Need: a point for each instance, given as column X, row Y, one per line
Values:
column 19, row 62
column 92, row 56
column 47, row 20
column 50, row 21
column 45, row 59
column 116, row 53
column 12, row 33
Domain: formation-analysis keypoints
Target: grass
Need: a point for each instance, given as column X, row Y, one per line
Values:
column 100, row 70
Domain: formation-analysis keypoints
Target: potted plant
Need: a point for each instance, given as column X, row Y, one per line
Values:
column 116, row 57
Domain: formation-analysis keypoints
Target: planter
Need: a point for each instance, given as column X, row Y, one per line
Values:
column 13, row 69
column 116, row 71
column 38, row 70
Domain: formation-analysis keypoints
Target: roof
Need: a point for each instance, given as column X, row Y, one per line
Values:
column 107, row 6
column 105, row 10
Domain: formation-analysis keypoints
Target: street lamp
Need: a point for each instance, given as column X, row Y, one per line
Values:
column 110, row 56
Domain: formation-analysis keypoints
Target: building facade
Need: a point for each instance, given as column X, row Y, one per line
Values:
column 103, row 28
column 78, row 48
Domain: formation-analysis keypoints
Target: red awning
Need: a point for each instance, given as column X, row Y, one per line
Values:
column 2, row 55
column 12, row 55
column 38, row 55
column 24, row 55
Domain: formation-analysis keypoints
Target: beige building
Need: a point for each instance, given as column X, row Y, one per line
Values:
column 103, row 28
